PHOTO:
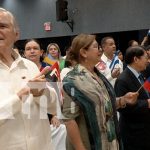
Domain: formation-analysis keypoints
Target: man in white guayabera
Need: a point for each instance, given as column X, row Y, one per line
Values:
column 25, row 97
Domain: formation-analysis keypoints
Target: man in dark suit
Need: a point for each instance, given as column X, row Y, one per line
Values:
column 134, row 119
column 147, row 71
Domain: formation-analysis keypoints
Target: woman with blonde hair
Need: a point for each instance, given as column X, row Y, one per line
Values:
column 53, row 55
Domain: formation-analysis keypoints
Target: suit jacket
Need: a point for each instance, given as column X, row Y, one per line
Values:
column 134, row 120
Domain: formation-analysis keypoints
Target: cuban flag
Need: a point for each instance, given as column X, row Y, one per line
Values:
column 114, row 62
column 146, row 84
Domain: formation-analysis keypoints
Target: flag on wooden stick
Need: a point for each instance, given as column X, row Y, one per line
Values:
column 145, row 85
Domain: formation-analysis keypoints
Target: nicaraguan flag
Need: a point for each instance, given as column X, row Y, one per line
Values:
column 114, row 62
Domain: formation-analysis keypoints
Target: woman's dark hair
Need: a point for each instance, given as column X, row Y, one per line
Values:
column 35, row 40
column 133, row 51
column 38, row 42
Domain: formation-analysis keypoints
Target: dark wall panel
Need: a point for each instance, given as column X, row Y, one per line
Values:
column 90, row 16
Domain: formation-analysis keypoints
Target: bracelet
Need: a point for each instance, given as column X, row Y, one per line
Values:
column 120, row 103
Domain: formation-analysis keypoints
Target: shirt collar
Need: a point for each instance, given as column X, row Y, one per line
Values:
column 104, row 58
column 17, row 59
column 134, row 71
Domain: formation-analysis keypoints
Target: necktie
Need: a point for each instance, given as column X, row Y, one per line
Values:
column 141, row 78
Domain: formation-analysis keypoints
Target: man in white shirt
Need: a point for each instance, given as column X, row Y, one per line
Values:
column 25, row 99
column 109, row 48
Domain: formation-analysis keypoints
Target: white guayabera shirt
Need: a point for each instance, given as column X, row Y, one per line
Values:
column 107, row 72
column 24, row 126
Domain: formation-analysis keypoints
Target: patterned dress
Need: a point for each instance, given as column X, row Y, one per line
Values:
column 90, row 101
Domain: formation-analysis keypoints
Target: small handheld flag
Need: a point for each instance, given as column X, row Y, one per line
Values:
column 146, row 85
column 53, row 74
column 114, row 62
column 49, row 61
column 45, row 70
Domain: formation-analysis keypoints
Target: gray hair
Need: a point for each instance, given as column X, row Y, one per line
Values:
column 14, row 22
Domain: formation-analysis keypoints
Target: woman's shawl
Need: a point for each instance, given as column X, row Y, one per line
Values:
column 112, row 96
column 88, row 106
